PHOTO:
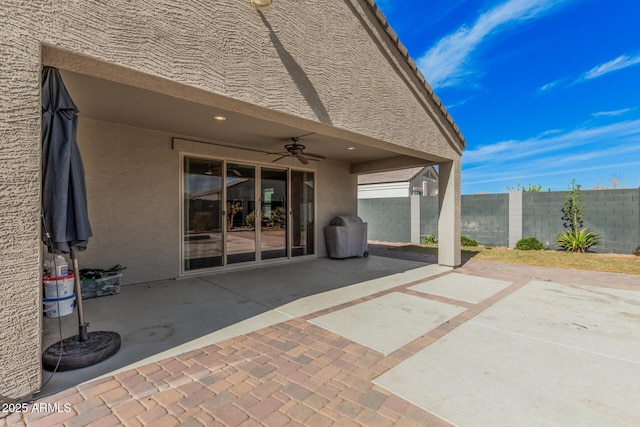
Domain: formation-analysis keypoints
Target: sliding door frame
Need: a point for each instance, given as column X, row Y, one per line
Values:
column 258, row 201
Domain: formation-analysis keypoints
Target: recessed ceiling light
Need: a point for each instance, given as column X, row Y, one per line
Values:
column 261, row 4
column 351, row 148
column 219, row 118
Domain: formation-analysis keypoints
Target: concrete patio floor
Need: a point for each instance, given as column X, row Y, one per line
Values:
column 163, row 319
column 374, row 342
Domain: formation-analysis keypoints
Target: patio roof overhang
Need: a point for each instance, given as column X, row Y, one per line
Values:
column 109, row 93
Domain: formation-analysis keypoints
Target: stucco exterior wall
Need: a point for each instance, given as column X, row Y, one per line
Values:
column 318, row 61
column 328, row 65
column 133, row 184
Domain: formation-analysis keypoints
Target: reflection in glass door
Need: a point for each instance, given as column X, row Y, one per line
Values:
column 241, row 213
column 302, row 195
column 273, row 202
column 202, row 219
column 236, row 213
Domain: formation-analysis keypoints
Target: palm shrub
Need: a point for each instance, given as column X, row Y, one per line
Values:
column 578, row 241
column 576, row 238
column 529, row 244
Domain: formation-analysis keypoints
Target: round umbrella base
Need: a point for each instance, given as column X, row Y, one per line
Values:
column 76, row 354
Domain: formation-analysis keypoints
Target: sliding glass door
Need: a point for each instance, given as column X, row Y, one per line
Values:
column 240, row 213
column 273, row 210
column 202, row 204
column 302, row 205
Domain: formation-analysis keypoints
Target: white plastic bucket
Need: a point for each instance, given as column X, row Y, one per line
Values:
column 59, row 307
column 58, row 287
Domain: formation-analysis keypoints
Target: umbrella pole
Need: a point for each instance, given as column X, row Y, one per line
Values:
column 82, row 332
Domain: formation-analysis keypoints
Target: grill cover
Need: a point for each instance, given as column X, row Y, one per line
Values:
column 346, row 237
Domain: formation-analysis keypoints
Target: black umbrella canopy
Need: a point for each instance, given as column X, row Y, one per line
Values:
column 64, row 196
column 66, row 225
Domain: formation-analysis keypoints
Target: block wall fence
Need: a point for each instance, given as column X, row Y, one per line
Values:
column 503, row 219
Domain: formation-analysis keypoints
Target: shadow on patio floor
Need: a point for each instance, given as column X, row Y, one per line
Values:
column 154, row 318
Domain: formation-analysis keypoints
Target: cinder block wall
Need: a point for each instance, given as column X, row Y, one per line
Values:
column 485, row 218
column 614, row 214
column 429, row 215
column 542, row 216
column 388, row 220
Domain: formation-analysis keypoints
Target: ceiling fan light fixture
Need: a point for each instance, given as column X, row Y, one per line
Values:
column 261, row 4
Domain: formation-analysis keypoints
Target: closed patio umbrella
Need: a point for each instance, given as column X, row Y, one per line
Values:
column 64, row 197
column 65, row 219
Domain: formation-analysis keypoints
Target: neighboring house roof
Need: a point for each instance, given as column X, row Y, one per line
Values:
column 401, row 175
column 412, row 64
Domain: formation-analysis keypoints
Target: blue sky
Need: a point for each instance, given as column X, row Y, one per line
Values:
column 544, row 91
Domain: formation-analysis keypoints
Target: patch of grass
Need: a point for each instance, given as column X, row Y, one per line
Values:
column 613, row 263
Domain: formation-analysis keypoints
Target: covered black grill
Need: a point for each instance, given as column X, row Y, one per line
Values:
column 346, row 237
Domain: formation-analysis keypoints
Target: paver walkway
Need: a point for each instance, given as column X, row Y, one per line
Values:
column 291, row 373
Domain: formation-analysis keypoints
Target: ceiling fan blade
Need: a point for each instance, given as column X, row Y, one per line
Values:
column 279, row 158
column 302, row 159
column 317, row 156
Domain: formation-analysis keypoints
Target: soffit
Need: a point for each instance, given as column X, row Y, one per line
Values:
column 105, row 100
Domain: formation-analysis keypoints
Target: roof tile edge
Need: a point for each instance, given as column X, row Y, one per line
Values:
column 412, row 64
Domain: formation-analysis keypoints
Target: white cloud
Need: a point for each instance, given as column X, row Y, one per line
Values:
column 553, row 157
column 619, row 63
column 512, row 175
column 613, row 113
column 549, row 86
column 457, row 104
column 447, row 63
column 506, row 151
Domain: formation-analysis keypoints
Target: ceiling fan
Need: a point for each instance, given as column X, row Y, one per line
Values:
column 297, row 150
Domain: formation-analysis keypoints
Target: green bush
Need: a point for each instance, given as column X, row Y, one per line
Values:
column 467, row 241
column 577, row 241
column 529, row 244
column 637, row 252
column 430, row 239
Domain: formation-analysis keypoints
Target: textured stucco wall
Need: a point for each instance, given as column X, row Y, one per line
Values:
column 133, row 182
column 20, row 115
column 310, row 62
column 319, row 61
